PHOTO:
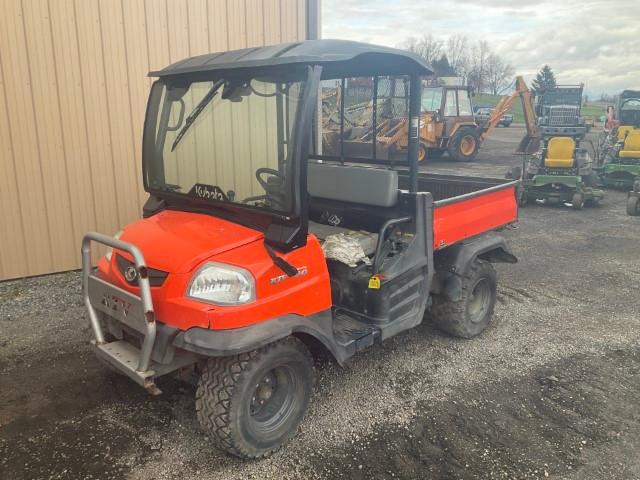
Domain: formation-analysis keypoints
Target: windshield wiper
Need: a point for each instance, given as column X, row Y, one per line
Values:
column 196, row 111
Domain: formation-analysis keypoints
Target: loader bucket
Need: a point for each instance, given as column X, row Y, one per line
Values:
column 528, row 145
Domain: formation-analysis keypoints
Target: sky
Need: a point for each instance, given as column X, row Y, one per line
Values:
column 595, row 42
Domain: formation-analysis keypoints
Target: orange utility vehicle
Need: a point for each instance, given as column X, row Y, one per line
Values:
column 256, row 250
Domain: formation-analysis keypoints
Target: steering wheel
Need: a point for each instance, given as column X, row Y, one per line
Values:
column 273, row 195
column 265, row 183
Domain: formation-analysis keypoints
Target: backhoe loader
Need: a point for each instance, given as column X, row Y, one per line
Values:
column 447, row 123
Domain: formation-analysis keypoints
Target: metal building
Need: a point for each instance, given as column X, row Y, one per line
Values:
column 73, row 89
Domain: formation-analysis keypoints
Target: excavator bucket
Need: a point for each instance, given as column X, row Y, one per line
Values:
column 529, row 145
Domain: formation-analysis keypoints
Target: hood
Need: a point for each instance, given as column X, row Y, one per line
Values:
column 177, row 242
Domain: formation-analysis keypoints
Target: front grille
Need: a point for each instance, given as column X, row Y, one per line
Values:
column 156, row 277
column 562, row 115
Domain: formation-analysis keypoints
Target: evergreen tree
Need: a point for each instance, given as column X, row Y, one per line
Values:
column 443, row 68
column 544, row 80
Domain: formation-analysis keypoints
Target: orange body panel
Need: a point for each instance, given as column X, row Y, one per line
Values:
column 180, row 242
column 467, row 218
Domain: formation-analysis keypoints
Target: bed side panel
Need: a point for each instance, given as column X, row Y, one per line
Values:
column 469, row 217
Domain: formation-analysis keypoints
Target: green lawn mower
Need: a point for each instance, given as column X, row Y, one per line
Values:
column 622, row 166
column 620, row 146
column 560, row 173
column 633, row 200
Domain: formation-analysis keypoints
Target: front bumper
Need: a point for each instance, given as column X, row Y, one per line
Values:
column 128, row 312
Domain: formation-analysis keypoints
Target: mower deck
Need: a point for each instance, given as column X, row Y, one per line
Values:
column 559, row 189
column 618, row 175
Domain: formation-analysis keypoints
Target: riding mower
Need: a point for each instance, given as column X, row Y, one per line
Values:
column 620, row 143
column 633, row 200
column 622, row 162
column 561, row 172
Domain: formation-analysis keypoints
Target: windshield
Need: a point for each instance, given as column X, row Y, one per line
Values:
column 431, row 99
column 632, row 104
column 225, row 139
column 561, row 98
column 630, row 112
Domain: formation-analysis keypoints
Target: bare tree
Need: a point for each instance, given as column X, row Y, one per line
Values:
column 475, row 63
column 477, row 76
column 498, row 73
column 428, row 47
column 457, row 51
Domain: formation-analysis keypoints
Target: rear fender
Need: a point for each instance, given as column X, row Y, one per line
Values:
column 453, row 262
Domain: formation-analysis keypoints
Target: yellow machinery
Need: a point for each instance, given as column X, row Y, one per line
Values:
column 560, row 151
column 623, row 130
column 631, row 148
column 447, row 123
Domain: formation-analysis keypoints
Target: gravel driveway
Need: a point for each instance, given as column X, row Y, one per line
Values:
column 550, row 390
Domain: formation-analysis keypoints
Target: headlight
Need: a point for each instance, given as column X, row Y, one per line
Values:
column 222, row 285
column 110, row 250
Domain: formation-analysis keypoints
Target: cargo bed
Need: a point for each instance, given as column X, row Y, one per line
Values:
column 467, row 206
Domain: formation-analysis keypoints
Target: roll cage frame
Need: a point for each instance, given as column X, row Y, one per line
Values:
column 287, row 231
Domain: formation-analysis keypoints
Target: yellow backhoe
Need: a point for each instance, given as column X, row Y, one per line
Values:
column 447, row 124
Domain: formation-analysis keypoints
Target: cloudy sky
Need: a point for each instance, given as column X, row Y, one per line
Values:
column 596, row 42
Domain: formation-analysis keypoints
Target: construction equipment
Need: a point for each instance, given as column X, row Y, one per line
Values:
column 633, row 200
column 560, row 173
column 257, row 249
column 447, row 124
column 530, row 143
column 617, row 146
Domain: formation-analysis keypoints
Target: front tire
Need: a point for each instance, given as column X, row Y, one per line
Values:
column 577, row 201
column 422, row 153
column 252, row 403
column 471, row 314
column 465, row 144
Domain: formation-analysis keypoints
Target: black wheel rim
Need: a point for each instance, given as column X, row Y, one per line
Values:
column 479, row 300
column 273, row 400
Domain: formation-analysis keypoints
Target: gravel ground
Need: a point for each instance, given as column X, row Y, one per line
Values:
column 550, row 390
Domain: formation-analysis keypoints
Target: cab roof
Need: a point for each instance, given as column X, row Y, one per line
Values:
column 339, row 58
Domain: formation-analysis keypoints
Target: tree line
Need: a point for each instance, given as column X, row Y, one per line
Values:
column 457, row 56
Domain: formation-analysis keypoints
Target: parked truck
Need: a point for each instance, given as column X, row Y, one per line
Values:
column 256, row 250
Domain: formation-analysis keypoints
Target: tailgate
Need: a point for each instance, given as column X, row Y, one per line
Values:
column 469, row 215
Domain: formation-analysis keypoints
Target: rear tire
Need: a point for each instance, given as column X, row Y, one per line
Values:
column 465, row 145
column 633, row 206
column 471, row 314
column 252, row 403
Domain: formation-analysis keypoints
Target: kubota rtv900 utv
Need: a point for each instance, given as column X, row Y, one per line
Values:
column 256, row 246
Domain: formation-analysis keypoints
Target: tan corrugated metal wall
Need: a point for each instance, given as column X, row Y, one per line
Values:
column 73, row 91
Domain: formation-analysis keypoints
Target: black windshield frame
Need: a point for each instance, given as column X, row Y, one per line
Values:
column 284, row 230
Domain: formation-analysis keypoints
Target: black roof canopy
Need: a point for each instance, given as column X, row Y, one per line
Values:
column 339, row 58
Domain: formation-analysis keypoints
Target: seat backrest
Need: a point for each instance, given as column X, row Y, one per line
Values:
column 632, row 142
column 364, row 185
column 623, row 130
column 560, row 152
